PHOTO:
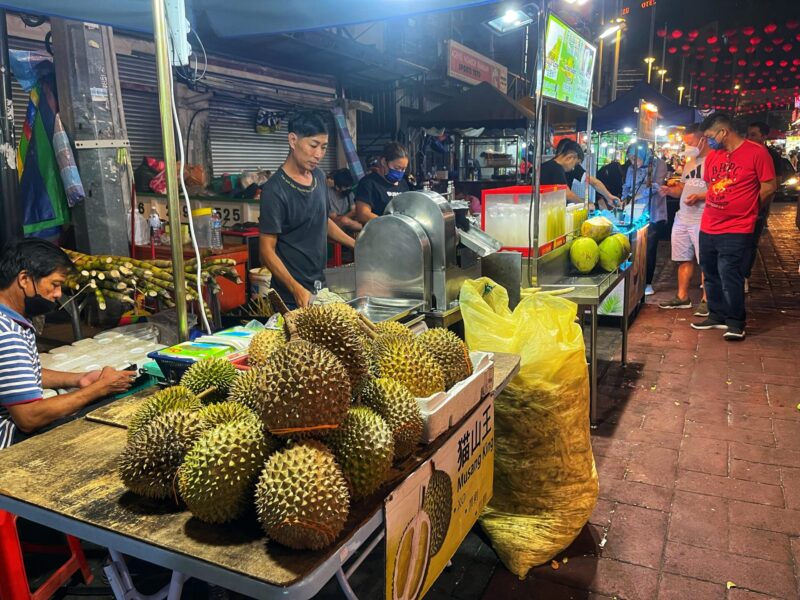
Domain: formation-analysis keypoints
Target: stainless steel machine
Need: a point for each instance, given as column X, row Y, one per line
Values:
column 422, row 249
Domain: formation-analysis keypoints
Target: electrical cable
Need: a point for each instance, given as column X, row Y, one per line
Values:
column 198, row 258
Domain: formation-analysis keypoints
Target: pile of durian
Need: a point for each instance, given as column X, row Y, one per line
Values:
column 328, row 405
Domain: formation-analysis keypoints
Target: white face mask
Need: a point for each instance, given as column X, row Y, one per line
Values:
column 691, row 152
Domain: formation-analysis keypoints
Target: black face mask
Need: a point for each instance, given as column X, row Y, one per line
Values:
column 37, row 304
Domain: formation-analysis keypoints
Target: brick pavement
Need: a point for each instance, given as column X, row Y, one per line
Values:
column 698, row 455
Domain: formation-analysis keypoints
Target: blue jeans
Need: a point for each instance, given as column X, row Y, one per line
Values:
column 725, row 260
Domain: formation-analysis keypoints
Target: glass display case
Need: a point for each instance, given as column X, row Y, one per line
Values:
column 490, row 158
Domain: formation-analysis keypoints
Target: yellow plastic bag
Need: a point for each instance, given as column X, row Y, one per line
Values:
column 545, row 482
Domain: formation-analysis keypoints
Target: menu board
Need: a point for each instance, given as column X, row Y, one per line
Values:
column 569, row 65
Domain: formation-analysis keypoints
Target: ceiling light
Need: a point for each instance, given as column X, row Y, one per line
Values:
column 627, row 130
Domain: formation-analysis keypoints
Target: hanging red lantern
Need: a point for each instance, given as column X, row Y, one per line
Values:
column 701, row 48
column 686, row 47
column 661, row 32
column 748, row 30
column 672, row 50
column 792, row 69
column 755, row 40
column 714, row 59
column 701, row 57
column 759, row 81
column 712, row 40
column 792, row 24
column 771, row 28
column 773, row 87
column 702, row 88
column 777, row 41
column 797, row 37
column 796, row 61
column 756, row 63
column 769, row 63
column 703, row 73
column 768, row 49
column 676, row 34
column 716, row 49
column 784, row 63
column 750, row 49
column 751, row 74
column 741, row 62
column 733, row 49
column 787, row 47
column 693, row 34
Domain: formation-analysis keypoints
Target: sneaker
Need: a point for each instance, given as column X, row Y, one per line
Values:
column 676, row 303
column 702, row 309
column 734, row 334
column 649, row 291
column 709, row 324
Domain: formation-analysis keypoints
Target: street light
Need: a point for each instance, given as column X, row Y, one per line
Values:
column 649, row 60
column 512, row 20
column 662, row 72
column 614, row 26
column 680, row 93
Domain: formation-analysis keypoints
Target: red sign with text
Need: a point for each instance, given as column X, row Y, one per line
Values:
column 471, row 67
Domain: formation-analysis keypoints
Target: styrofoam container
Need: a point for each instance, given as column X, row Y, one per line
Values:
column 443, row 410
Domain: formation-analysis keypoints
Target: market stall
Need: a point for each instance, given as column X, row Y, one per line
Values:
column 489, row 132
column 81, row 493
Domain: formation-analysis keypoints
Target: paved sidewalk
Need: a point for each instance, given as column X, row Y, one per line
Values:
column 699, row 455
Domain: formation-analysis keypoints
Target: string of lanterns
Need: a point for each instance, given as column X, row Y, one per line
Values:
column 764, row 65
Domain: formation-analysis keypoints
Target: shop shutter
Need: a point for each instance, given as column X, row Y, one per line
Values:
column 19, row 97
column 236, row 147
column 142, row 119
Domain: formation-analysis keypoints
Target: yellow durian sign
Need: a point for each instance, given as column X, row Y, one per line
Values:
column 430, row 513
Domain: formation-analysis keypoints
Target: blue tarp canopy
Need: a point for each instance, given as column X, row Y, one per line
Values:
column 620, row 113
column 237, row 18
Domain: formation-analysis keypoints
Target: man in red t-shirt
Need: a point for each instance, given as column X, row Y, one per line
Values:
column 740, row 177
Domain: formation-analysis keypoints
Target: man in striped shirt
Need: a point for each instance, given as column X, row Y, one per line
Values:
column 32, row 272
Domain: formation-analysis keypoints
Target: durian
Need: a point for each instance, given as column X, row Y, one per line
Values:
column 301, row 497
column 244, row 390
column 405, row 361
column 393, row 328
column 364, row 447
column 167, row 400
column 215, row 374
column 152, row 457
column 263, row 344
column 449, row 351
column 305, row 391
column 395, row 404
column 227, row 412
column 337, row 331
column 438, row 503
column 217, row 475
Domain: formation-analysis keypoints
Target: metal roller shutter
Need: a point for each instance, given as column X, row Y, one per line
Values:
column 19, row 97
column 142, row 118
column 236, row 147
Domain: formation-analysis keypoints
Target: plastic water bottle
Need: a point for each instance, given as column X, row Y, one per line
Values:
column 216, row 231
column 155, row 226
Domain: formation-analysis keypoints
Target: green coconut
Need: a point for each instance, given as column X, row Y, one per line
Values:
column 612, row 254
column 584, row 254
column 597, row 228
column 623, row 239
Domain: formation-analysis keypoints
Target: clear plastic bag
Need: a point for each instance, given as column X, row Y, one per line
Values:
column 545, row 481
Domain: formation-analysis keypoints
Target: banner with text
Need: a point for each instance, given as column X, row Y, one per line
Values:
column 430, row 513
column 472, row 67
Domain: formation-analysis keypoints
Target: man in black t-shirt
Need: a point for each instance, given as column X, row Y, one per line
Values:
column 376, row 190
column 294, row 223
column 569, row 156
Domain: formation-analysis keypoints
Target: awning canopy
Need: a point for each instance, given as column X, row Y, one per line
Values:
column 481, row 106
column 620, row 113
column 240, row 18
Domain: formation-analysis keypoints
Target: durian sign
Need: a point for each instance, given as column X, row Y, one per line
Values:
column 430, row 513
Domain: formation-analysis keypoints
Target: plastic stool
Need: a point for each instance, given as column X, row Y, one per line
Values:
column 13, row 577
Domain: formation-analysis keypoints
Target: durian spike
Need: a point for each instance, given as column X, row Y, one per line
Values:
column 277, row 303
